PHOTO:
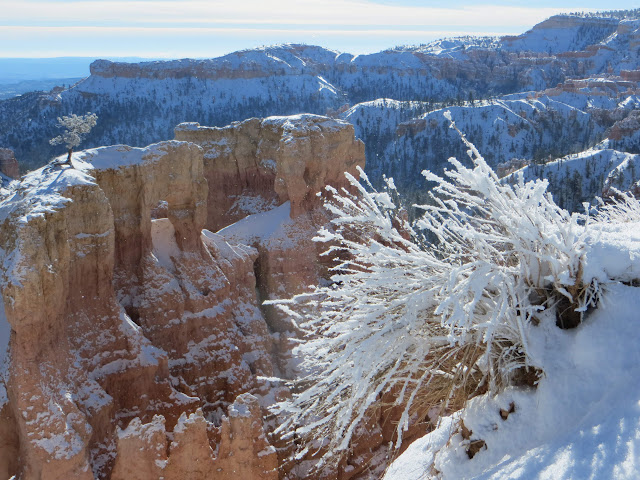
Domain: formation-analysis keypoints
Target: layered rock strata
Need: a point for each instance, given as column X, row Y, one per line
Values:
column 133, row 343
column 286, row 161
column 255, row 165
column 8, row 163
column 259, row 164
column 122, row 323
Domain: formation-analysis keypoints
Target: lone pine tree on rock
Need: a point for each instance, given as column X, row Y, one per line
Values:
column 76, row 127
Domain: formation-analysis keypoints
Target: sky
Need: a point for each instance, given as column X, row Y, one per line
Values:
column 210, row 28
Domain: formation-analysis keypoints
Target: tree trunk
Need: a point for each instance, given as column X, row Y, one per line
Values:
column 68, row 162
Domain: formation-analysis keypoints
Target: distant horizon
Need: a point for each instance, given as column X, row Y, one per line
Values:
column 164, row 29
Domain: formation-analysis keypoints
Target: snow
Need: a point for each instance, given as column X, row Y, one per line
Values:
column 268, row 450
column 225, row 252
column 146, row 354
column 303, row 122
column 562, row 33
column 456, row 47
column 613, row 251
column 116, row 156
column 110, row 157
column 401, row 139
column 136, row 429
column 238, row 409
column 92, row 397
column 62, row 443
column 259, row 227
column 4, row 183
column 188, row 127
column 41, row 191
column 250, row 204
column 165, row 247
column 580, row 177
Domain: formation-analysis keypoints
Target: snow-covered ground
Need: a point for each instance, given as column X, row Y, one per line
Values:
column 261, row 227
column 563, row 34
column 583, row 420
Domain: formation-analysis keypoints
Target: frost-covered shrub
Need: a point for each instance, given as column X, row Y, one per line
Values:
column 621, row 208
column 436, row 321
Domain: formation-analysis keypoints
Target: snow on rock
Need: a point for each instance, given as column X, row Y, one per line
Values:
column 163, row 236
column 404, row 141
column 110, row 157
column 283, row 245
column 624, row 177
column 562, row 33
column 261, row 227
column 116, row 156
column 141, row 450
column 40, row 192
column 241, row 450
column 259, row 458
column 456, row 47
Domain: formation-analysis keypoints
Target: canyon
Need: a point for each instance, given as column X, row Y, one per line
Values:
column 137, row 340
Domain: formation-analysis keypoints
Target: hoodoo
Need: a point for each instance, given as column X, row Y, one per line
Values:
column 134, row 344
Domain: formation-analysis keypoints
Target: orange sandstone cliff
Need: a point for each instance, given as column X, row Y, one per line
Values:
column 133, row 343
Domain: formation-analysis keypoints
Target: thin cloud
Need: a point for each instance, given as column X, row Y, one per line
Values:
column 158, row 28
column 179, row 31
column 256, row 12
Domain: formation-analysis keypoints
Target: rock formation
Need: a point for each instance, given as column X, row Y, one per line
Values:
column 8, row 163
column 116, row 316
column 257, row 165
column 132, row 341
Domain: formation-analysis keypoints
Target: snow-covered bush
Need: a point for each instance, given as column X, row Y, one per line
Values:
column 430, row 322
column 621, row 208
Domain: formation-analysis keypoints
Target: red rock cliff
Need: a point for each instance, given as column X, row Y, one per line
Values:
column 255, row 165
column 124, row 323
column 132, row 340
column 8, row 163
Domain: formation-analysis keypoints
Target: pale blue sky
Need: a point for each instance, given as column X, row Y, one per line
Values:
column 209, row 28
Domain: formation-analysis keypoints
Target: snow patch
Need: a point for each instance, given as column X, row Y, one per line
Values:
column 258, row 227
column 165, row 247
column 613, row 251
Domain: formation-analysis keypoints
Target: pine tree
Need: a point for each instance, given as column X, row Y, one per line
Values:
column 76, row 128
